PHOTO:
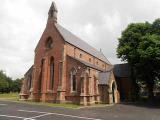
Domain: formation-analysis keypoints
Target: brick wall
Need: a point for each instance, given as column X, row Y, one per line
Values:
column 42, row 53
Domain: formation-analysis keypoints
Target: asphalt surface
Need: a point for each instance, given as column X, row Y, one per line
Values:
column 21, row 111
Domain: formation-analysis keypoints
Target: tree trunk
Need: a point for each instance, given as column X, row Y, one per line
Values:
column 135, row 87
column 150, row 92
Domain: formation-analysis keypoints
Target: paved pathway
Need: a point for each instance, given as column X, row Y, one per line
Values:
column 21, row 111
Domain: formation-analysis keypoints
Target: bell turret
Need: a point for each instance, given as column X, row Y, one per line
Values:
column 52, row 14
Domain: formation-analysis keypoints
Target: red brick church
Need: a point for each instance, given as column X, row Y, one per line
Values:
column 68, row 70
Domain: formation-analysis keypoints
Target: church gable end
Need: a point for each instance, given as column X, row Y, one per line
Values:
column 66, row 68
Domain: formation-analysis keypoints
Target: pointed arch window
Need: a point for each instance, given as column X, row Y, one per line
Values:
column 95, row 85
column 51, row 73
column 41, row 74
column 49, row 43
column 30, row 82
column 73, row 80
column 82, row 84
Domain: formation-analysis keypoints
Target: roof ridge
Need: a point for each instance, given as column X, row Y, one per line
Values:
column 78, row 42
column 79, row 38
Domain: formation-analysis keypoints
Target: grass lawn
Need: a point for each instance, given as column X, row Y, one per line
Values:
column 15, row 98
column 9, row 96
column 64, row 105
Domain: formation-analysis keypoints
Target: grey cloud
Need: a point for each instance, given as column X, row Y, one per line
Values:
column 98, row 22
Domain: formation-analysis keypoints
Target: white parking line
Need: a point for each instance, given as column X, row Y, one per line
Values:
column 3, row 104
column 15, row 117
column 41, row 115
column 32, row 111
column 47, row 113
column 28, row 119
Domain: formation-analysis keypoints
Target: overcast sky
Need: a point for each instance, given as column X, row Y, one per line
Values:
column 98, row 22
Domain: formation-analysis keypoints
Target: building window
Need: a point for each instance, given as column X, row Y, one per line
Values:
column 103, row 65
column 73, row 80
column 41, row 74
column 60, row 73
column 30, row 82
column 74, row 52
column 74, row 83
column 90, row 60
column 95, row 85
column 49, row 43
column 97, row 62
column 82, row 85
column 51, row 73
column 89, row 71
column 80, row 55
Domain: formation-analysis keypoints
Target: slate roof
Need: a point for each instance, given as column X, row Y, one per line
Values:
column 121, row 70
column 29, row 71
column 104, row 77
column 87, row 64
column 74, row 40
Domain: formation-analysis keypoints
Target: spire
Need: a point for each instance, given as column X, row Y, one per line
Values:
column 52, row 14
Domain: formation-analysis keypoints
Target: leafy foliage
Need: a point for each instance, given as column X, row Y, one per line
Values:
column 8, row 85
column 139, row 45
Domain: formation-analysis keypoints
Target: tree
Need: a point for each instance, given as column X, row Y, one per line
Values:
column 139, row 45
column 149, row 62
column 3, row 83
column 7, row 84
column 17, row 85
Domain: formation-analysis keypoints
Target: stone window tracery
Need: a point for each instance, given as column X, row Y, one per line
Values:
column 49, row 43
column 82, row 85
column 51, row 73
column 73, row 80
